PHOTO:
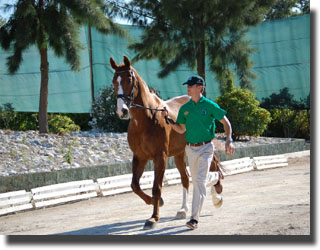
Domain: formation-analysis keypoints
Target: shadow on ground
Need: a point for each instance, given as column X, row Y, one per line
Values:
column 135, row 228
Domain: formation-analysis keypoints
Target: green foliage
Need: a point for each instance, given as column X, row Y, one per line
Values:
column 68, row 156
column 289, row 123
column 2, row 22
column 25, row 121
column 7, row 115
column 20, row 121
column 288, row 8
column 185, row 32
column 290, row 118
column 103, row 113
column 244, row 113
column 80, row 119
column 304, row 121
column 284, row 100
column 60, row 124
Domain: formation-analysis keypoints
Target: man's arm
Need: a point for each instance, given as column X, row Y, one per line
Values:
column 179, row 128
column 228, row 130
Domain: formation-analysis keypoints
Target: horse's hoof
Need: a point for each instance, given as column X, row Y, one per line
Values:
column 181, row 215
column 161, row 202
column 149, row 225
column 218, row 202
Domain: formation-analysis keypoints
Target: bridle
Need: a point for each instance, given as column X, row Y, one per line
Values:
column 128, row 99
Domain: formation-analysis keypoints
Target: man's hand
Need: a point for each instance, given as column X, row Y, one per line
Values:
column 228, row 130
column 164, row 113
column 179, row 128
column 229, row 148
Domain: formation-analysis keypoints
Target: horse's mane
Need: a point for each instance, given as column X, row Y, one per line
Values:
column 148, row 92
column 122, row 66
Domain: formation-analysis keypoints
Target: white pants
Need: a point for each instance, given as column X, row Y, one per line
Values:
column 200, row 159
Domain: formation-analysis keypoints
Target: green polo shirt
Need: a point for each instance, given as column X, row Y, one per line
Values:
column 199, row 119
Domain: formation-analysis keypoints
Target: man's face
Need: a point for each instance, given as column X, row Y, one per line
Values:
column 194, row 90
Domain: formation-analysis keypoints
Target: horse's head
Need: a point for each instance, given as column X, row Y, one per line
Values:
column 124, row 81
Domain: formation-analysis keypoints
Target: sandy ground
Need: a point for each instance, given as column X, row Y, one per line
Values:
column 268, row 202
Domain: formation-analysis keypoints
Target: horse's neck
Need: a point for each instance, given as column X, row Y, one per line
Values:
column 146, row 99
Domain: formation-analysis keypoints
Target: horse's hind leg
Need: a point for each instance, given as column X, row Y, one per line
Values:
column 180, row 161
column 138, row 166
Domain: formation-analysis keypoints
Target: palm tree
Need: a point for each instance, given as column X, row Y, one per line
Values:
column 54, row 24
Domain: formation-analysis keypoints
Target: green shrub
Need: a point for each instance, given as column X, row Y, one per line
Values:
column 285, row 100
column 7, row 116
column 81, row 119
column 26, row 121
column 19, row 121
column 290, row 118
column 289, row 123
column 304, row 118
column 103, row 113
column 60, row 124
column 243, row 111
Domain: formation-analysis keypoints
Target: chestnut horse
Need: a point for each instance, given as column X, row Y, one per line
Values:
column 149, row 136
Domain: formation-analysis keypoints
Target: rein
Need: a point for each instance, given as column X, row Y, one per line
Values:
column 129, row 99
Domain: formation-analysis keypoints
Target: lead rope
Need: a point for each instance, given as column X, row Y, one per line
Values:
column 167, row 118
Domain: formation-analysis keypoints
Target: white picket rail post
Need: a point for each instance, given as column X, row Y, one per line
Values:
column 15, row 201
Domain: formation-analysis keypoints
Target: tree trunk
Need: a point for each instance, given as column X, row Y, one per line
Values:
column 201, row 61
column 90, row 60
column 44, row 90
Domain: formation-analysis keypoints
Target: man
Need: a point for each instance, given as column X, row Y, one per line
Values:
column 197, row 119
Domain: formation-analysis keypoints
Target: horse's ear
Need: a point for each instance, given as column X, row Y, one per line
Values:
column 126, row 61
column 113, row 64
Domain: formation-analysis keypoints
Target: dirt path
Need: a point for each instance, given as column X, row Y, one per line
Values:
column 269, row 202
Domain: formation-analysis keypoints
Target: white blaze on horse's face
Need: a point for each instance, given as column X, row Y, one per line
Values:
column 122, row 108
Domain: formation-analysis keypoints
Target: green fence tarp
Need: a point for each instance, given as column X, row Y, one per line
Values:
column 282, row 60
column 283, row 56
column 69, row 91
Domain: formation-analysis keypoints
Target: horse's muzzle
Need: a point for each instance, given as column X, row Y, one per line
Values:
column 125, row 114
column 122, row 110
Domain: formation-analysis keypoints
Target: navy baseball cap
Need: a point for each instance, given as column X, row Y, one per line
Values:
column 194, row 80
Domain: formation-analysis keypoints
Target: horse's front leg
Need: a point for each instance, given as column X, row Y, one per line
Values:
column 159, row 168
column 138, row 166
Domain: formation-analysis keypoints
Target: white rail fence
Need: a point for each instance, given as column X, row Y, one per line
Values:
column 274, row 161
column 64, row 192
column 15, row 201
column 78, row 190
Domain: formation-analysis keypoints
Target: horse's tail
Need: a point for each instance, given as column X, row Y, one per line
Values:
column 216, row 165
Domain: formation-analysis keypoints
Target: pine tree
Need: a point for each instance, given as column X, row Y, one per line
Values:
column 2, row 22
column 187, row 32
column 54, row 24
column 288, row 8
